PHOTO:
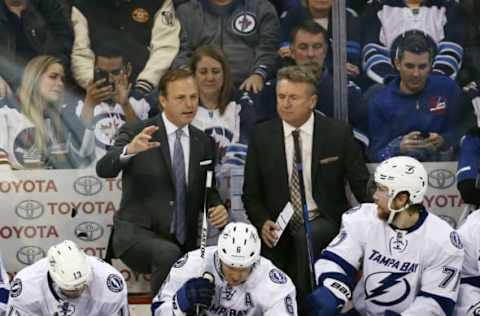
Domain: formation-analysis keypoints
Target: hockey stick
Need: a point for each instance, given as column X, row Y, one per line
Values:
column 308, row 228
column 204, row 233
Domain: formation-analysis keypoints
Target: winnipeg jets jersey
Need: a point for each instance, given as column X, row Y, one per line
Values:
column 412, row 272
column 469, row 295
column 223, row 128
column 267, row 291
column 4, row 288
column 34, row 293
column 17, row 140
column 12, row 124
column 107, row 120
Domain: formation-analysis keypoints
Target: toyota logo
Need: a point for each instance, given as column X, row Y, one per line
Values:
column 89, row 231
column 87, row 185
column 441, row 179
column 29, row 209
column 30, row 254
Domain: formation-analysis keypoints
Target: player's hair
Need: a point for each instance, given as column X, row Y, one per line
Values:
column 173, row 75
column 34, row 105
column 298, row 74
column 414, row 41
column 218, row 55
column 311, row 27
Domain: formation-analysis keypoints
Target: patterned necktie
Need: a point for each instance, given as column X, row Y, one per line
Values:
column 295, row 193
column 180, row 187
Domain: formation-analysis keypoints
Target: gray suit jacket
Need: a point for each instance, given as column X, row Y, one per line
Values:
column 148, row 197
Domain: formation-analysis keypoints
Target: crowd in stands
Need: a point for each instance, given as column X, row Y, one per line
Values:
column 113, row 55
column 82, row 80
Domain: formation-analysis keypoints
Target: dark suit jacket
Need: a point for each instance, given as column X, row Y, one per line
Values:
column 336, row 159
column 148, row 197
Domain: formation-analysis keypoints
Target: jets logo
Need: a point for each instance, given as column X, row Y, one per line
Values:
column 387, row 288
column 105, row 128
column 244, row 23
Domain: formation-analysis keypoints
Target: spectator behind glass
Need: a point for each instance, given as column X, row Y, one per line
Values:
column 320, row 12
column 416, row 113
column 309, row 49
column 223, row 113
column 356, row 5
column 284, row 5
column 247, row 31
column 471, row 66
column 468, row 173
column 37, row 133
column 147, row 31
column 384, row 21
column 28, row 29
column 107, row 104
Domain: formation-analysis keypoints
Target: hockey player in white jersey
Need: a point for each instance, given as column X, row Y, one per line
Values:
column 237, row 280
column 68, row 283
column 409, row 259
column 4, row 288
column 468, row 303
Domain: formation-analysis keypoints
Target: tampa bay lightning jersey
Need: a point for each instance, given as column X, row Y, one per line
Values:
column 4, row 288
column 412, row 272
column 34, row 293
column 469, row 295
column 268, row 291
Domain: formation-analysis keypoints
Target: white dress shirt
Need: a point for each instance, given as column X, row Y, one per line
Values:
column 170, row 129
column 185, row 140
column 306, row 143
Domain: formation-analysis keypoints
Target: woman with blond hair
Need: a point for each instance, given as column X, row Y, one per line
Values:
column 36, row 130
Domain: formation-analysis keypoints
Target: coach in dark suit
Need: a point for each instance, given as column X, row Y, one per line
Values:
column 330, row 158
column 164, row 162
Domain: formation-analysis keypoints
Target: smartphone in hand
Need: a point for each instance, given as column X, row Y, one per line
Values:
column 100, row 74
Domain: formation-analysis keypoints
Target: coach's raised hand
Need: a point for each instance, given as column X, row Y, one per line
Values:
column 142, row 141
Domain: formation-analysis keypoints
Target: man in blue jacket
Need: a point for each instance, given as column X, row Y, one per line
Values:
column 416, row 113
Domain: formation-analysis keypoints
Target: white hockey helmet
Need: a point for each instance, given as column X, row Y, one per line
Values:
column 402, row 174
column 68, row 266
column 239, row 245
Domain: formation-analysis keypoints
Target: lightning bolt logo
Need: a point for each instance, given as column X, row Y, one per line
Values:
column 385, row 285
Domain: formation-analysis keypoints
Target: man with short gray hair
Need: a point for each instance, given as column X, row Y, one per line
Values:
column 329, row 155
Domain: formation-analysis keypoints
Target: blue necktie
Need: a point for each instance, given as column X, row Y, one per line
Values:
column 180, row 187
